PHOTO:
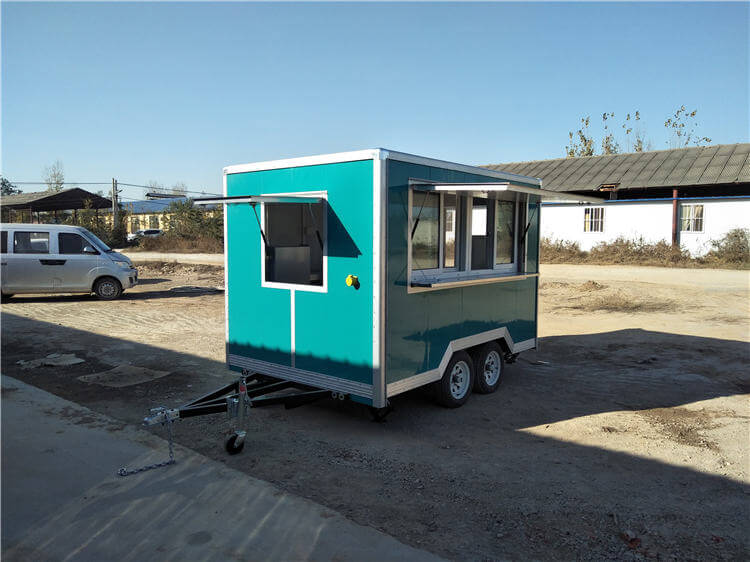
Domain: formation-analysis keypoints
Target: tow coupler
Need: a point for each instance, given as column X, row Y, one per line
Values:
column 251, row 390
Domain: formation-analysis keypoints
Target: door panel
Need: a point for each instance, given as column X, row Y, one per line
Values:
column 74, row 274
column 29, row 268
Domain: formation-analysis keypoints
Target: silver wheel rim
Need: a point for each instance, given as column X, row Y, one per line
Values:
column 460, row 378
column 492, row 368
column 107, row 289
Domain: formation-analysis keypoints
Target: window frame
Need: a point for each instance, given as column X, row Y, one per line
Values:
column 462, row 272
column 593, row 221
column 691, row 220
column 49, row 243
column 323, row 288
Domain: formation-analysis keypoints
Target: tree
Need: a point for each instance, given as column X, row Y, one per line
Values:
column 584, row 146
column 682, row 126
column 54, row 176
column 7, row 188
column 609, row 144
column 179, row 189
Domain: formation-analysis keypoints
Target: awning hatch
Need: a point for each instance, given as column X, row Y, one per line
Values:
column 255, row 199
column 499, row 187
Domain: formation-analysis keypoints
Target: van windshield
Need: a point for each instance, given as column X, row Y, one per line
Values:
column 93, row 237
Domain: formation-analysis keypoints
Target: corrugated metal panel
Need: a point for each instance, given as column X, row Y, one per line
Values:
column 628, row 178
column 569, row 175
column 731, row 171
column 694, row 173
column 557, row 169
column 675, row 176
column 590, row 179
column 660, row 174
column 644, row 176
column 714, row 168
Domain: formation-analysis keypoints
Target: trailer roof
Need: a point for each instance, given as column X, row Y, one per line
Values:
column 380, row 154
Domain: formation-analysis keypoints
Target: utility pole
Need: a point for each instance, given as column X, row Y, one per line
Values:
column 115, row 206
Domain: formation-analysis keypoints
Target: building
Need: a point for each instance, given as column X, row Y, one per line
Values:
column 148, row 213
column 686, row 196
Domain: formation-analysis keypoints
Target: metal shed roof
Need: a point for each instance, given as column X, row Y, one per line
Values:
column 693, row 166
column 73, row 198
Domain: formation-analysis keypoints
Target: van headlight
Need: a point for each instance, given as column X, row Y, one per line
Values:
column 123, row 264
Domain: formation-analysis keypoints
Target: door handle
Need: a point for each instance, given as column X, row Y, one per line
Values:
column 52, row 262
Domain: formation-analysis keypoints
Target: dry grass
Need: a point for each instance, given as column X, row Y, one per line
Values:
column 732, row 251
column 179, row 244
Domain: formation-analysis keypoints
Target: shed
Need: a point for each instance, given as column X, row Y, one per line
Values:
column 52, row 201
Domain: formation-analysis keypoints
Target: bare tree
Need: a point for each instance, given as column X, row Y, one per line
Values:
column 609, row 144
column 584, row 145
column 54, row 176
column 179, row 189
column 153, row 187
column 682, row 126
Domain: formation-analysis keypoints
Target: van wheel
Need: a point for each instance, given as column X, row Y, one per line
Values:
column 455, row 386
column 488, row 368
column 107, row 288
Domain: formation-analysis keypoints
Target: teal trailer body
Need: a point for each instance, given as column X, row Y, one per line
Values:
column 363, row 272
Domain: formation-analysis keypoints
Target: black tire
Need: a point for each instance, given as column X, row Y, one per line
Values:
column 454, row 388
column 6, row 297
column 488, row 368
column 107, row 288
column 230, row 444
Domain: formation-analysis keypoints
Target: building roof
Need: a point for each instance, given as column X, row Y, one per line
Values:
column 150, row 205
column 680, row 167
column 73, row 198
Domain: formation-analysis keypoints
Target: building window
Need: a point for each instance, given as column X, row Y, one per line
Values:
column 593, row 219
column 691, row 218
column 135, row 225
column 295, row 235
column 31, row 242
column 153, row 221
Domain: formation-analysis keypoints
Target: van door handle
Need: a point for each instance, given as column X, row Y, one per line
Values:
column 52, row 262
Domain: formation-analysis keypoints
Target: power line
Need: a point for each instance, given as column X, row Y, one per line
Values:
column 119, row 183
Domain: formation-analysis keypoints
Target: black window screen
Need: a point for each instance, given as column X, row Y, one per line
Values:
column 295, row 241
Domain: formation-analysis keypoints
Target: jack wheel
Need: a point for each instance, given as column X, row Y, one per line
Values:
column 234, row 443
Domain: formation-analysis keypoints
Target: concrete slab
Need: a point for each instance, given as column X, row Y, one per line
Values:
column 62, row 499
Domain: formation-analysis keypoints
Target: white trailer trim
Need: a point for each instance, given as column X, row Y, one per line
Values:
column 436, row 374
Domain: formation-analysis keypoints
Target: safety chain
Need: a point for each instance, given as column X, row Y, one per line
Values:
column 127, row 472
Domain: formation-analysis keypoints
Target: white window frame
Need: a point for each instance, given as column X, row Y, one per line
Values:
column 295, row 286
column 691, row 218
column 463, row 243
column 593, row 221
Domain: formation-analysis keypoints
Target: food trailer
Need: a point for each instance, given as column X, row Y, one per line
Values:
column 363, row 275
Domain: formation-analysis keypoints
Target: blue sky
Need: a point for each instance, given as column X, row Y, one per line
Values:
column 173, row 92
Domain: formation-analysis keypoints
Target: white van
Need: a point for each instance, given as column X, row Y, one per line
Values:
column 52, row 258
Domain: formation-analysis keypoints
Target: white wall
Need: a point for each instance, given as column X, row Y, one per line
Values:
column 650, row 220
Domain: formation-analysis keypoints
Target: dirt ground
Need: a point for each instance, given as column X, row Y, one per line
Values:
column 626, row 435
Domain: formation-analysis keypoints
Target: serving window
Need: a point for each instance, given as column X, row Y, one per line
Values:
column 294, row 243
column 460, row 236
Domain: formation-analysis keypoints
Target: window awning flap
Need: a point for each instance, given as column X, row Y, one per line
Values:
column 500, row 187
column 254, row 199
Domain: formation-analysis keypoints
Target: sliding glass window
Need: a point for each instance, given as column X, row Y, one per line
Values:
column 425, row 238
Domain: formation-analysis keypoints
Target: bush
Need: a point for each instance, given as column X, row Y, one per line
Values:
column 174, row 243
column 733, row 250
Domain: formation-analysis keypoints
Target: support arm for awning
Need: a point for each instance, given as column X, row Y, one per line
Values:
column 500, row 187
column 255, row 199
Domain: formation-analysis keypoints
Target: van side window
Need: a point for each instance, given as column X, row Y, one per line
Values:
column 31, row 242
column 4, row 236
column 69, row 243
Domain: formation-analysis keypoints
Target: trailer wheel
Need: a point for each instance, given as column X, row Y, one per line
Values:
column 233, row 444
column 455, row 386
column 488, row 368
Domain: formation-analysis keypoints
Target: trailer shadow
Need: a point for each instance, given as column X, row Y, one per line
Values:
column 483, row 481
